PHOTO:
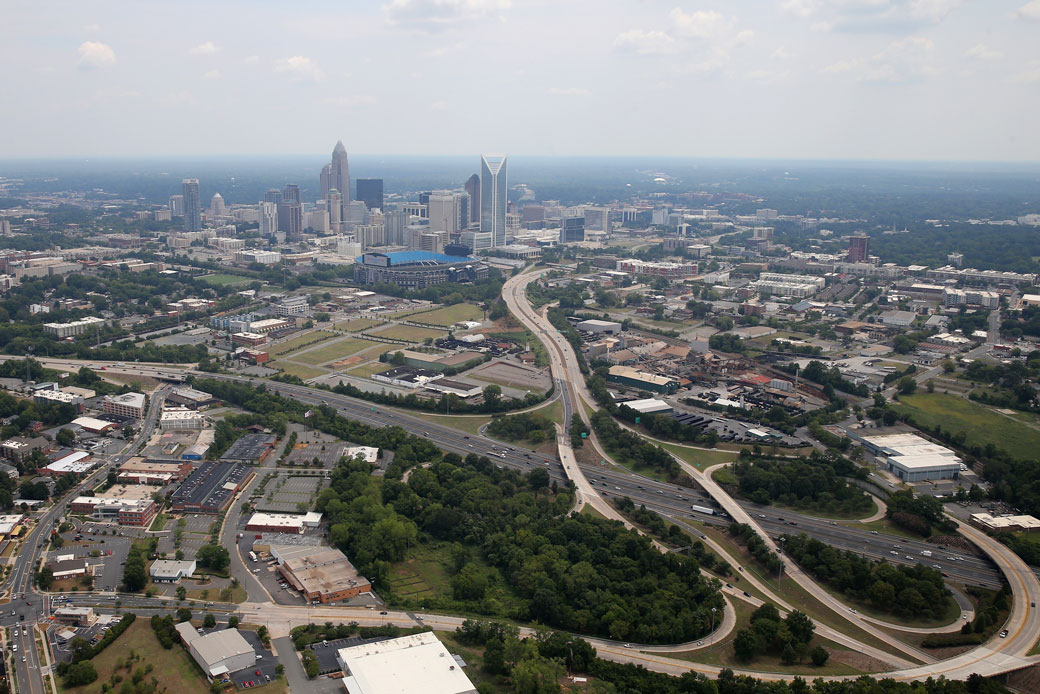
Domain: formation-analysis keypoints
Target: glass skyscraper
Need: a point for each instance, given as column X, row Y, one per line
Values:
column 192, row 205
column 494, row 186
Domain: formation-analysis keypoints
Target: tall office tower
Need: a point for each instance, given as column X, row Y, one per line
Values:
column 334, row 202
column 268, row 213
column 443, row 212
column 290, row 219
column 424, row 198
column 5, row 227
column 859, row 248
column 395, row 224
column 192, row 205
column 177, row 205
column 572, row 229
column 291, row 193
column 596, row 218
column 462, row 202
column 370, row 191
column 273, row 195
column 216, row 205
column 339, row 172
column 325, row 180
column 472, row 188
column 532, row 213
column 494, row 183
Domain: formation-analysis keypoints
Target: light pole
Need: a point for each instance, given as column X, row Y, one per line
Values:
column 780, row 570
column 711, row 646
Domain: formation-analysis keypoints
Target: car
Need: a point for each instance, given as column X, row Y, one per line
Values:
column 873, row 532
column 852, row 610
column 383, row 612
column 964, row 616
column 747, row 594
column 628, row 645
column 258, row 672
column 259, row 657
column 1004, row 634
column 23, row 658
column 908, row 557
column 761, row 515
column 465, row 437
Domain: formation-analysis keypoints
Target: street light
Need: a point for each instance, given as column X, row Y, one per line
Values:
column 711, row 647
column 780, row 571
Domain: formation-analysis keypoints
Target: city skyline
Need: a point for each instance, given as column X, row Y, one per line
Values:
column 878, row 79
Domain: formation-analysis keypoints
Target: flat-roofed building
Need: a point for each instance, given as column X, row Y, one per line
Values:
column 323, row 574
column 10, row 523
column 133, row 512
column 171, row 571
column 127, row 405
column 218, row 653
column 283, row 522
column 407, row 664
column 19, row 448
column 190, row 398
column 75, row 616
column 1005, row 524
column 72, row 328
column 181, row 418
column 657, row 383
column 94, row 425
column 604, row 327
column 912, row 458
column 68, row 566
column 141, row 471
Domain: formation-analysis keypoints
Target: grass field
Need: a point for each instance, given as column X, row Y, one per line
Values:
column 424, row 576
column 409, row 332
column 359, row 324
column 298, row 342
column 367, row 369
column 450, row 315
column 339, row 349
column 980, row 424
column 468, row 423
column 700, row 459
column 220, row 280
column 173, row 667
column 300, row 370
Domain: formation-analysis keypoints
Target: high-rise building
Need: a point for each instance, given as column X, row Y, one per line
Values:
column 472, row 188
column 325, row 181
column 273, row 195
column 334, row 202
column 192, row 205
column 291, row 193
column 5, row 227
column 424, row 198
column 444, row 213
column 177, row 205
column 597, row 218
column 859, row 248
column 396, row 224
column 494, row 185
column 370, row 191
column 268, row 213
column 339, row 172
column 572, row 229
column 216, row 206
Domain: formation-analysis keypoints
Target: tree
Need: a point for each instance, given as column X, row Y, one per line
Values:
column 182, row 592
column 232, row 622
column 819, row 656
column 787, row 655
column 537, row 676
column 213, row 557
column 397, row 359
column 183, row 614
column 65, row 437
column 209, row 621
column 492, row 395
column 745, row 645
column 538, row 478
column 79, row 674
column 907, row 385
column 800, row 626
column 903, row 344
column 45, row 579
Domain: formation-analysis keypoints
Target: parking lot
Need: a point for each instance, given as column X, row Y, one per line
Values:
column 325, row 651
column 284, row 494
column 263, row 672
column 101, row 548
column 194, row 533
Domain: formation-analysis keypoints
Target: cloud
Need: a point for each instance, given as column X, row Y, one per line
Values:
column 980, row 52
column 767, row 76
column 780, row 53
column 569, row 91
column 701, row 24
column 208, row 48
column 211, row 75
column 1030, row 75
column 300, row 68
column 880, row 16
column 1031, row 10
column 901, row 61
column 644, row 42
column 93, row 54
column 437, row 15
column 439, row 105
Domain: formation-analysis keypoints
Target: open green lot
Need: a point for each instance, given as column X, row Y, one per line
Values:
column 449, row 315
column 409, row 332
column 340, row 349
column 699, row 458
column 298, row 342
column 173, row 667
column 300, row 370
column 359, row 324
column 981, row 425
column 221, row 280
column 369, row 368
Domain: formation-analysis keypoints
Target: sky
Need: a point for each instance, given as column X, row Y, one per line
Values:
column 776, row 79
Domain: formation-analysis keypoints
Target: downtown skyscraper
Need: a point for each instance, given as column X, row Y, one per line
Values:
column 337, row 174
column 192, row 205
column 494, row 186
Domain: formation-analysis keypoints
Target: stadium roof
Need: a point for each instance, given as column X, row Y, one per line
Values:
column 407, row 257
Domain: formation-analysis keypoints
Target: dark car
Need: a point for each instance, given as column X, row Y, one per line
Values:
column 747, row 594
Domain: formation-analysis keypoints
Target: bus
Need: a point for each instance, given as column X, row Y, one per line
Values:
column 252, row 556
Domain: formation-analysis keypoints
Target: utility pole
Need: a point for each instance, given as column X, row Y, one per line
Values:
column 780, row 571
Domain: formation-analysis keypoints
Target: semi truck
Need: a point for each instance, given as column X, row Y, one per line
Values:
column 705, row 510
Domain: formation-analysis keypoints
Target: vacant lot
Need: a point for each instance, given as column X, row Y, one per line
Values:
column 980, row 424
column 333, row 351
column 220, row 280
column 298, row 342
column 173, row 668
column 449, row 315
column 409, row 332
column 300, row 370
column 359, row 324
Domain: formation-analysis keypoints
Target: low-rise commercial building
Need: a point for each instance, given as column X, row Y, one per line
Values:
column 1005, row 524
column 72, row 328
column 141, row 471
column 170, row 571
column 217, row 653
column 211, row 487
column 75, row 616
column 137, row 513
column 19, row 448
column 604, row 327
column 323, row 574
column 181, row 418
column 283, row 522
column 190, row 398
column 414, row 663
column 656, row 383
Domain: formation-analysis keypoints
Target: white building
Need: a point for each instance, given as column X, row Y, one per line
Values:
column 127, row 405
column 913, row 458
column 792, row 286
column 257, row 256
column 218, row 653
column 292, row 306
column 599, row 326
column 170, row 571
column 416, row 663
column 178, row 418
column 73, row 328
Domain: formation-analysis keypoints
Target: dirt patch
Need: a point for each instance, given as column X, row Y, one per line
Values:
column 955, row 541
column 860, row 661
column 349, row 361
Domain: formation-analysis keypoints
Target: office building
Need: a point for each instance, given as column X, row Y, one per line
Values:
column 395, row 225
column 324, row 181
column 414, row 663
column 370, row 192
column 334, row 205
column 319, row 573
column 291, row 193
column 472, row 188
column 859, row 249
column 192, row 205
column 596, row 218
column 476, row 241
column 73, row 328
column 572, row 229
column 268, row 214
column 354, row 213
column 170, row 571
column 273, row 195
column 494, row 184
column 127, row 405
column 339, row 171
column 443, row 210
column 216, row 206
column 177, row 205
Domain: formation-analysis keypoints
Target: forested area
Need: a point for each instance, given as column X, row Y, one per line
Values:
column 571, row 572
column 787, row 637
column 526, row 426
column 813, row 484
column 920, row 514
column 911, row 592
column 764, row 554
column 629, row 448
column 989, row 247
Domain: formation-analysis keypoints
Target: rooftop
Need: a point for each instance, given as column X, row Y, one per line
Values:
column 415, row 663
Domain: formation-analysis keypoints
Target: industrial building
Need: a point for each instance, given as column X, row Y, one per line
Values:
column 190, row 398
column 604, row 327
column 912, row 458
column 633, row 378
column 417, row 269
column 648, row 406
column 140, row 471
column 323, row 573
column 1005, row 524
column 211, row 487
column 218, row 653
column 250, row 449
column 283, row 522
column 414, row 663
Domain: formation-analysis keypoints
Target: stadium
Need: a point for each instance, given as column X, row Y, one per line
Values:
column 417, row 269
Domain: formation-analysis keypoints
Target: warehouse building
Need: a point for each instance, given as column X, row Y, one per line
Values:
column 633, row 378
column 250, row 449
column 211, row 487
column 218, row 653
column 319, row 573
column 140, row 471
column 604, row 327
column 283, row 522
column 648, row 406
column 414, row 663
column 912, row 458
column 190, row 398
